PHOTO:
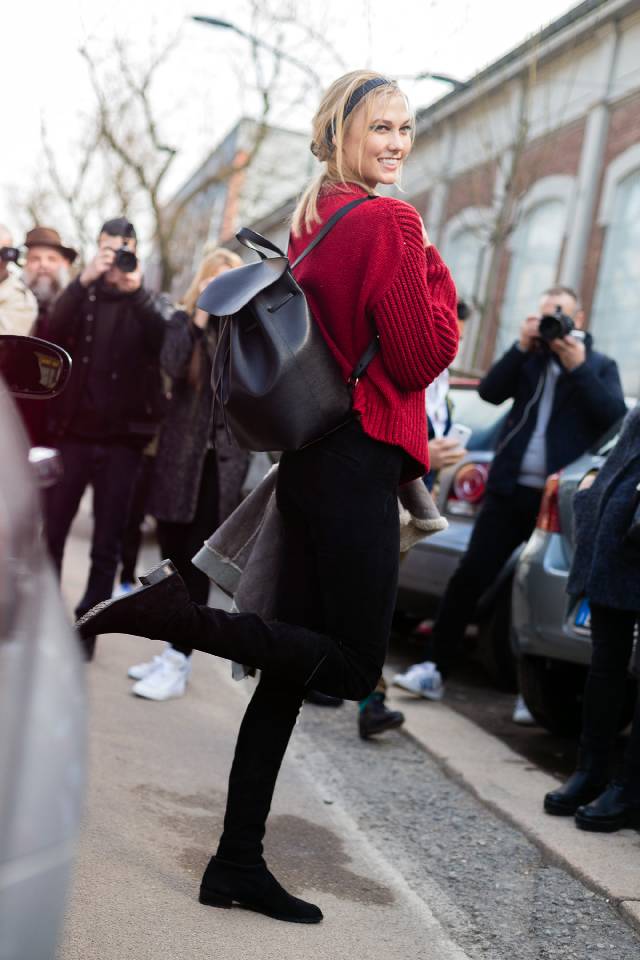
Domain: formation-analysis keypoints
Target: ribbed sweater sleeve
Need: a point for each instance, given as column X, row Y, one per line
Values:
column 416, row 316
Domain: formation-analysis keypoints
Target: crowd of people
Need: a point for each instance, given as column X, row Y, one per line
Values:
column 138, row 424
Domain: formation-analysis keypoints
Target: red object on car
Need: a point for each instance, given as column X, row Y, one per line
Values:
column 468, row 489
column 549, row 513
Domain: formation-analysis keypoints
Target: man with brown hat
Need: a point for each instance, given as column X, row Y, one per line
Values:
column 46, row 271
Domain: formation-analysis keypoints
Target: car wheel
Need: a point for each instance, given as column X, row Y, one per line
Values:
column 494, row 641
column 554, row 690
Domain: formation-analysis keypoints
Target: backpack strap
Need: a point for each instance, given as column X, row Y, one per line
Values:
column 329, row 225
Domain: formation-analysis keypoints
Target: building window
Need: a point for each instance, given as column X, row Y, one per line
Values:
column 463, row 254
column 614, row 319
column 535, row 251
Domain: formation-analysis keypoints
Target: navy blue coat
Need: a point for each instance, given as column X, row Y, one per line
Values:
column 604, row 568
column 587, row 401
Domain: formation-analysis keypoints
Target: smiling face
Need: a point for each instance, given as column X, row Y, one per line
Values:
column 377, row 147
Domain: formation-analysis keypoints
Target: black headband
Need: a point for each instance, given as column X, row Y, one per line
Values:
column 354, row 100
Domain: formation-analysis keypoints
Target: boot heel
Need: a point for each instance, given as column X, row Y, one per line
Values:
column 158, row 573
column 212, row 899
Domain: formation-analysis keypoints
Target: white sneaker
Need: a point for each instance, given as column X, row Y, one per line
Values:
column 424, row 679
column 167, row 677
column 522, row 714
column 141, row 670
column 122, row 590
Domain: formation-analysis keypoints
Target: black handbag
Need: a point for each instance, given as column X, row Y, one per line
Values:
column 273, row 374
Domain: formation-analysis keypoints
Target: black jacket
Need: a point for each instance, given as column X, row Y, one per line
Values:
column 117, row 370
column 605, row 567
column 587, row 401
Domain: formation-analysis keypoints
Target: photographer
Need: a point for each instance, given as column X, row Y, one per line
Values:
column 113, row 328
column 18, row 307
column 565, row 395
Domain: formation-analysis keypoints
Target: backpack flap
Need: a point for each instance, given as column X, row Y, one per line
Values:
column 232, row 290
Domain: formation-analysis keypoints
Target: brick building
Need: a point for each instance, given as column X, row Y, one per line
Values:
column 216, row 201
column 531, row 176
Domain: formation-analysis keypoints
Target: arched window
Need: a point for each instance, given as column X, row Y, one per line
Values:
column 614, row 320
column 535, row 251
column 463, row 253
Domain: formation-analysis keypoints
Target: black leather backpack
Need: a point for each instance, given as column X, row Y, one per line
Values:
column 273, row 374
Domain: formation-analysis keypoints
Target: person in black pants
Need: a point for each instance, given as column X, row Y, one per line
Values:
column 113, row 328
column 565, row 395
column 376, row 272
column 606, row 570
column 197, row 472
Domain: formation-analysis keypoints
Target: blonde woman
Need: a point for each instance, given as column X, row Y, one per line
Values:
column 376, row 272
column 198, row 472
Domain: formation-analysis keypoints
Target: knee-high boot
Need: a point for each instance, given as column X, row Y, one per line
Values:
column 162, row 610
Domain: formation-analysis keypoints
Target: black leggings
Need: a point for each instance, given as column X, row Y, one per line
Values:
column 612, row 639
column 338, row 500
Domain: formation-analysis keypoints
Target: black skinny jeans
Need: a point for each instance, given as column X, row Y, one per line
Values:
column 338, row 500
column 502, row 525
column 179, row 542
column 111, row 469
column 612, row 642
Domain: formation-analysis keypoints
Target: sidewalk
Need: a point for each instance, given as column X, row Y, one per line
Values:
column 511, row 786
column 154, row 811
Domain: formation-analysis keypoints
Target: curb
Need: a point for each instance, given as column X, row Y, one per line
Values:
column 513, row 788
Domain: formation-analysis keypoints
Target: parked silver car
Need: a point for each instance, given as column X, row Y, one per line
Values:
column 551, row 634
column 428, row 567
column 42, row 717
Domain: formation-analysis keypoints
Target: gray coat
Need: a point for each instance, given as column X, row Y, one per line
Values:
column 605, row 569
column 186, row 432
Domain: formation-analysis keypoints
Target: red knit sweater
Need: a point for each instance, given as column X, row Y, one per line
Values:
column 372, row 274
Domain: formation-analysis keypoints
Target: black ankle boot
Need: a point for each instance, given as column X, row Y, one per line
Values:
column 145, row 612
column 254, row 887
column 612, row 810
column 375, row 717
column 581, row 787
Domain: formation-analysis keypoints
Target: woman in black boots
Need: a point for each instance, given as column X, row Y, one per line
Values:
column 376, row 272
column 606, row 569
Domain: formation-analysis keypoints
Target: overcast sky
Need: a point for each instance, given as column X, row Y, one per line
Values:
column 200, row 90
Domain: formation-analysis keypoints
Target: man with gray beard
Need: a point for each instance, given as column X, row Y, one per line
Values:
column 46, row 272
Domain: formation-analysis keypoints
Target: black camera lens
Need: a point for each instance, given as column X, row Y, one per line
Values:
column 125, row 260
column 9, row 254
column 554, row 326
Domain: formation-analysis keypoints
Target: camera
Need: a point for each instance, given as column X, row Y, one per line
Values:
column 125, row 259
column 10, row 254
column 554, row 326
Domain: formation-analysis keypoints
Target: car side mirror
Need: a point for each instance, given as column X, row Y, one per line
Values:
column 33, row 369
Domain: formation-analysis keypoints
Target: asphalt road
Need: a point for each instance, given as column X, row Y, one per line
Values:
column 404, row 861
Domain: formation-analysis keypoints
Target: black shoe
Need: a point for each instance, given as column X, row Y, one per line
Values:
column 323, row 699
column 375, row 717
column 612, row 810
column 145, row 612
column 255, row 888
column 583, row 786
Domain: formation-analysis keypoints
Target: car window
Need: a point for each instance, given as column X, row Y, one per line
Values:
column 485, row 419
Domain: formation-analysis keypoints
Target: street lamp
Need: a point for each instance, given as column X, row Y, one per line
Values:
column 443, row 77
column 227, row 25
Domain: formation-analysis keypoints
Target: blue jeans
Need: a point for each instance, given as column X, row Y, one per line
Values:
column 111, row 470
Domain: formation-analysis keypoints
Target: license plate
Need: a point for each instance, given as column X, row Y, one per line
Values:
column 583, row 615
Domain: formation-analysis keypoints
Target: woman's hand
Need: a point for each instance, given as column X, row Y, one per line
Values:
column 425, row 235
column 444, row 452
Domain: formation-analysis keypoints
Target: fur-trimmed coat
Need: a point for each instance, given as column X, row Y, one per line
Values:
column 605, row 568
column 187, row 430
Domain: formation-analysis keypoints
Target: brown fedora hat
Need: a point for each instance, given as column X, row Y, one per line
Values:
column 48, row 237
